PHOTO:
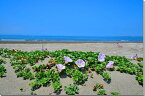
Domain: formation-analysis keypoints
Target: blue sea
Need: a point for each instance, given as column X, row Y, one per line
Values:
column 70, row 38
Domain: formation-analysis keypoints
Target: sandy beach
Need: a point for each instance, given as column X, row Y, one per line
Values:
column 121, row 82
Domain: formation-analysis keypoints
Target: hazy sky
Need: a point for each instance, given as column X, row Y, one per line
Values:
column 72, row 17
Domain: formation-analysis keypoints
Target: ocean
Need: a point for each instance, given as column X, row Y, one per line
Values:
column 71, row 38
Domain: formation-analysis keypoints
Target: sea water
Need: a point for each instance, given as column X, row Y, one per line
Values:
column 70, row 38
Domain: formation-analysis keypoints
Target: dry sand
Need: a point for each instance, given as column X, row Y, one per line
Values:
column 121, row 82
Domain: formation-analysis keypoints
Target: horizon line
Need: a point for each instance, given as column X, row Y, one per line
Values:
column 68, row 35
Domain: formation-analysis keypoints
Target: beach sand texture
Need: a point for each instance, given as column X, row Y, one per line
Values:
column 120, row 82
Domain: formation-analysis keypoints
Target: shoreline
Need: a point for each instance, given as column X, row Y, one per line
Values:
column 9, row 42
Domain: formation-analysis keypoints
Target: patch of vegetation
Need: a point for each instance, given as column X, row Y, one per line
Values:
column 2, row 61
column 79, row 77
column 76, row 65
column 140, row 59
column 115, row 93
column 56, row 86
column 106, row 76
column 72, row 89
column 26, row 74
column 101, row 92
column 98, row 86
column 2, row 71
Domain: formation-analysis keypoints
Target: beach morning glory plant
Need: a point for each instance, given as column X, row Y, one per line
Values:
column 101, row 57
column 80, row 63
column 110, row 64
column 134, row 57
column 43, row 49
column 60, row 67
column 67, row 59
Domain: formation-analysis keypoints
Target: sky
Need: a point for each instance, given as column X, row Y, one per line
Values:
column 71, row 17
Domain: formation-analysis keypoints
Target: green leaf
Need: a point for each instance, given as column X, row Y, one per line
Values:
column 72, row 89
column 56, row 86
column 115, row 93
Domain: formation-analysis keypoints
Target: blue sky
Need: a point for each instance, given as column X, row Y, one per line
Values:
column 71, row 17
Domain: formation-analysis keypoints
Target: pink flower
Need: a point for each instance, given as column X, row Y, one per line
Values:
column 43, row 49
column 134, row 57
column 60, row 67
column 67, row 59
column 110, row 64
column 101, row 57
column 80, row 63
